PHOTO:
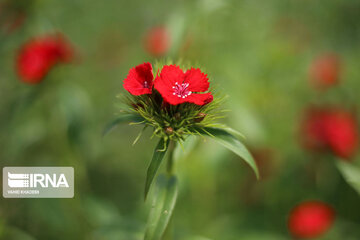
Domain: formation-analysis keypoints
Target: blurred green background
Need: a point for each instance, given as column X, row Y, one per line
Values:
column 256, row 52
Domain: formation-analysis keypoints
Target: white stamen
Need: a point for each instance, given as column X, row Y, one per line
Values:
column 181, row 90
column 146, row 85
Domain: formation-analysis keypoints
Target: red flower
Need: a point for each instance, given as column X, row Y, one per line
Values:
column 341, row 132
column 312, row 131
column 310, row 219
column 139, row 80
column 331, row 128
column 177, row 87
column 325, row 71
column 157, row 41
column 39, row 55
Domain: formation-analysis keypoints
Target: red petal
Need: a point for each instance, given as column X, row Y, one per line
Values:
column 169, row 75
column 173, row 100
column 198, row 81
column 199, row 99
column 139, row 80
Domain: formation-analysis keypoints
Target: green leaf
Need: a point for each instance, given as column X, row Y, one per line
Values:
column 234, row 132
column 351, row 173
column 122, row 119
column 162, row 207
column 229, row 130
column 183, row 149
column 156, row 160
column 232, row 143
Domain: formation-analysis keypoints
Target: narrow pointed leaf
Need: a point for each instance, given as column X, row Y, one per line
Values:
column 156, row 160
column 139, row 135
column 185, row 148
column 162, row 207
column 351, row 173
column 235, row 132
column 232, row 143
column 229, row 130
column 122, row 119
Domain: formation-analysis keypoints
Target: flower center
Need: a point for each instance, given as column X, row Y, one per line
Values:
column 181, row 90
column 146, row 85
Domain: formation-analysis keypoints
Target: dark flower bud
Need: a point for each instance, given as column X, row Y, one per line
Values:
column 137, row 106
column 200, row 117
column 177, row 116
column 165, row 106
column 169, row 130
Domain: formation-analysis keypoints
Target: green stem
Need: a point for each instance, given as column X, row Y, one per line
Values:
column 170, row 162
column 170, row 169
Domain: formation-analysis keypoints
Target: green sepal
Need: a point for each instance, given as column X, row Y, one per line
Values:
column 128, row 118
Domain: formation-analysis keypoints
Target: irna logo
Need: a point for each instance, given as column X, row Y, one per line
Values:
column 38, row 182
column 18, row 180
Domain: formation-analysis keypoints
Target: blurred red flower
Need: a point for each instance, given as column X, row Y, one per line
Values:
column 157, row 41
column 330, row 128
column 310, row 219
column 325, row 71
column 341, row 132
column 12, row 15
column 177, row 86
column 39, row 55
column 139, row 80
column 311, row 129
